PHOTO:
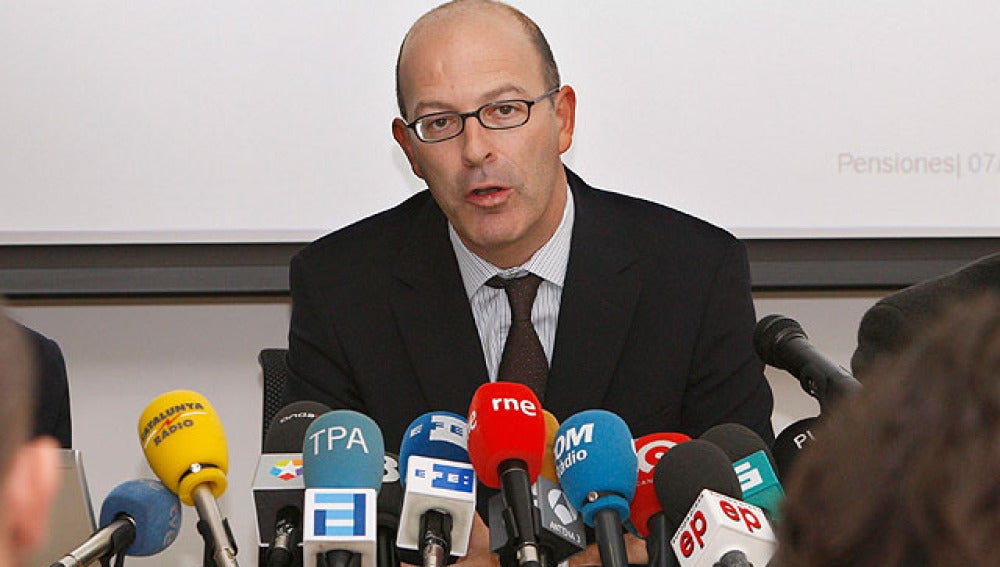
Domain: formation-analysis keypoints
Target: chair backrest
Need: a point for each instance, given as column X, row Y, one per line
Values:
column 272, row 362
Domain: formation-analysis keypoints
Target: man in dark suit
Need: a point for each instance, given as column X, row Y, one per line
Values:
column 640, row 309
column 655, row 320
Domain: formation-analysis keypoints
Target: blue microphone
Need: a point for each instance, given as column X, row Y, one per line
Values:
column 343, row 461
column 597, row 468
column 439, row 501
column 139, row 518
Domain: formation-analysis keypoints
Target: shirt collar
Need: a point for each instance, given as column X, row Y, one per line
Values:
column 549, row 262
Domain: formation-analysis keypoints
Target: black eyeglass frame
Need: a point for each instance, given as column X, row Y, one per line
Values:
column 463, row 116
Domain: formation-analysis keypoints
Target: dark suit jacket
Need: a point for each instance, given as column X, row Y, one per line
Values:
column 52, row 411
column 655, row 322
column 890, row 325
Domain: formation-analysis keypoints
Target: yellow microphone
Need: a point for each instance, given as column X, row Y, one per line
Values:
column 183, row 440
column 549, row 461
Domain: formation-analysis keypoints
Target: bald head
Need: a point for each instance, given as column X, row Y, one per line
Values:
column 463, row 12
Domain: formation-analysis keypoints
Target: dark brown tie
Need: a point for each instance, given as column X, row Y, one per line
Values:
column 523, row 358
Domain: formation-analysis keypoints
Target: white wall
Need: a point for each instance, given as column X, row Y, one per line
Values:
column 122, row 354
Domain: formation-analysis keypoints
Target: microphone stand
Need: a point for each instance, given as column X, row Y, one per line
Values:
column 658, row 543
column 219, row 552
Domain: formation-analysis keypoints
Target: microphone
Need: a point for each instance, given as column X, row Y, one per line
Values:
column 597, row 467
column 753, row 464
column 183, row 440
column 562, row 533
column 278, row 486
column 781, row 342
column 790, row 443
column 646, row 512
column 388, row 507
column 139, row 518
column 699, row 491
column 506, row 442
column 343, row 458
column 439, row 498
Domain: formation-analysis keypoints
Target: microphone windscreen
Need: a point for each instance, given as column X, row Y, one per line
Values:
column 288, row 426
column 505, row 423
column 179, row 430
column 790, row 443
column 769, row 336
column 390, row 496
column 737, row 441
column 435, row 435
column 594, row 452
column 649, row 449
column 548, row 459
column 687, row 469
column 343, row 449
column 155, row 510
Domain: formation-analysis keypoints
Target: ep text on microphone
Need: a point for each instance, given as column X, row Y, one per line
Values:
column 562, row 533
column 753, row 464
column 723, row 530
column 439, row 497
column 278, row 487
column 782, row 343
column 680, row 478
column 597, row 467
column 183, row 440
column 791, row 442
column 343, row 457
column 138, row 518
column 646, row 513
column 506, row 443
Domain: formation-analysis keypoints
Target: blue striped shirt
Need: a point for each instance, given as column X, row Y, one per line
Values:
column 489, row 305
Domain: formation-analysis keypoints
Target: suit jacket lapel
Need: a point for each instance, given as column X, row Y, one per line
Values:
column 434, row 317
column 598, row 302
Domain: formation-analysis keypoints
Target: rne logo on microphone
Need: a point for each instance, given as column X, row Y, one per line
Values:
column 527, row 407
column 337, row 433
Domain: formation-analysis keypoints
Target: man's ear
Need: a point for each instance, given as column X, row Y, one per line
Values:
column 566, row 114
column 28, row 492
column 399, row 132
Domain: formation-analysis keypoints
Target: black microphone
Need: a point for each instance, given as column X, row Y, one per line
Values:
column 278, row 486
column 791, row 442
column 700, row 493
column 781, row 342
column 389, row 504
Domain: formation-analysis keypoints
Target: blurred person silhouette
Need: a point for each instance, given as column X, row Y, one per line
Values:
column 888, row 326
column 909, row 472
column 28, row 465
column 52, row 411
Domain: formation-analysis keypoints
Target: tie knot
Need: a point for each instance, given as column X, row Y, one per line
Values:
column 521, row 293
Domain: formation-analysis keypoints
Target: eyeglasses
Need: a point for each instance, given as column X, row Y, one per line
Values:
column 498, row 115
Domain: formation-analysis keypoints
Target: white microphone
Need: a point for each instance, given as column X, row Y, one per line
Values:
column 718, row 526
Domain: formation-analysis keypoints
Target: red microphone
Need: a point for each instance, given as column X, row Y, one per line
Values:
column 646, row 512
column 506, row 446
